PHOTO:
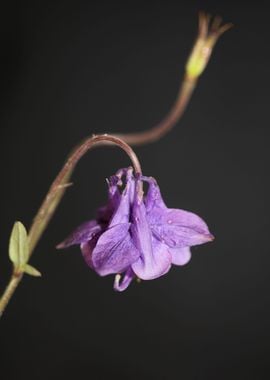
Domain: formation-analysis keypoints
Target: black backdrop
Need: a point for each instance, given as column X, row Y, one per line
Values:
column 69, row 69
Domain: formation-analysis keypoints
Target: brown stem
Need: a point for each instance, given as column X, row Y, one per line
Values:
column 197, row 62
column 59, row 185
column 55, row 195
column 174, row 115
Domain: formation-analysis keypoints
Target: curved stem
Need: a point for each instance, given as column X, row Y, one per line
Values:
column 199, row 57
column 208, row 34
column 150, row 135
column 60, row 183
column 55, row 195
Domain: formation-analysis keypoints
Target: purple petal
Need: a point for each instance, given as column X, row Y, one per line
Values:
column 179, row 228
column 114, row 251
column 176, row 228
column 180, row 256
column 87, row 250
column 105, row 213
column 122, row 212
column 153, row 265
column 82, row 234
column 153, row 200
column 155, row 259
column 115, row 181
column 125, row 281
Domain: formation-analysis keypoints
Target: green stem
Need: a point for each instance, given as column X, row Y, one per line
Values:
column 10, row 289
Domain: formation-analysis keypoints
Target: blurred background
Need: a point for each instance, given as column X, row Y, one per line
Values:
column 73, row 68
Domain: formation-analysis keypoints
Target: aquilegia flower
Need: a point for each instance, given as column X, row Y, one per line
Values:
column 136, row 235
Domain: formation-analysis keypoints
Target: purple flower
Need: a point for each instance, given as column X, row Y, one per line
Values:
column 136, row 235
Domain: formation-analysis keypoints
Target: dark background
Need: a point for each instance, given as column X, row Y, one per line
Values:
column 69, row 69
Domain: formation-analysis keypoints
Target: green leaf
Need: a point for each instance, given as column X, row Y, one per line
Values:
column 31, row 270
column 18, row 246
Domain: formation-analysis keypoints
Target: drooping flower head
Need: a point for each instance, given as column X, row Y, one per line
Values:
column 136, row 235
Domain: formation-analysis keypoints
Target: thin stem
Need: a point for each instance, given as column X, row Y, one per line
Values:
column 150, row 135
column 10, row 289
column 61, row 182
column 208, row 35
column 55, row 195
column 196, row 64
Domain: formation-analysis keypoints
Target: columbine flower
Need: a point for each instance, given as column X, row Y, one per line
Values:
column 136, row 235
